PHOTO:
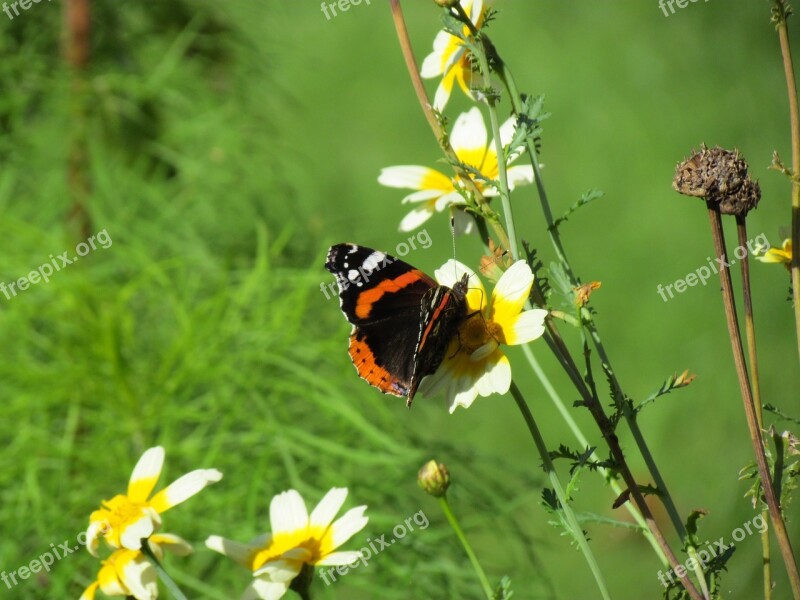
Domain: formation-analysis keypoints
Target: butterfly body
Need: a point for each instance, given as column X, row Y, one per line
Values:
column 402, row 319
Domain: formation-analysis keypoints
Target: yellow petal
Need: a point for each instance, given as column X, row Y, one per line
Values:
column 510, row 294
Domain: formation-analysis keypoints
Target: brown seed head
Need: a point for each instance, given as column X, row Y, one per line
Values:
column 720, row 176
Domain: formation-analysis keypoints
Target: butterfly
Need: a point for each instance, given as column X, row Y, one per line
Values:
column 403, row 320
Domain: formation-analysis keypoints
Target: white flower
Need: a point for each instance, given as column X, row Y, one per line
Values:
column 436, row 191
column 475, row 364
column 297, row 539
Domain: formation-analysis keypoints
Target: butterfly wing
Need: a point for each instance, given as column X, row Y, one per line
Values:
column 382, row 297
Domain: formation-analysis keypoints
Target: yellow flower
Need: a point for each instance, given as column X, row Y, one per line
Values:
column 436, row 191
column 778, row 255
column 297, row 539
column 475, row 365
column 126, row 519
column 130, row 573
column 450, row 58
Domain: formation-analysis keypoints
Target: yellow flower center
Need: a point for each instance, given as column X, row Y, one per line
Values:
column 117, row 514
column 477, row 332
column 316, row 540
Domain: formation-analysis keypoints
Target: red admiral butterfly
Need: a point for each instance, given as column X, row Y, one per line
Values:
column 402, row 319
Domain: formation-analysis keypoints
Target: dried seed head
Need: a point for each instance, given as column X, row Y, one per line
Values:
column 742, row 200
column 720, row 176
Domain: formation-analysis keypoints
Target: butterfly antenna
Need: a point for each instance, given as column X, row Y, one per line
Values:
column 453, row 234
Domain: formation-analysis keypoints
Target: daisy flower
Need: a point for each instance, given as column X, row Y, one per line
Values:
column 778, row 255
column 475, row 364
column 129, row 572
column 297, row 540
column 450, row 58
column 126, row 519
column 435, row 191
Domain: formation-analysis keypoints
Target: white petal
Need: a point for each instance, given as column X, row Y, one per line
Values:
column 432, row 65
column 519, row 175
column 514, row 284
column 507, row 131
column 131, row 536
column 415, row 218
column 463, row 393
column 236, row 551
column 263, row 589
column 496, row 379
column 279, row 570
column 334, row 559
column 474, row 11
column 145, row 474
column 442, row 95
column 325, row 512
column 141, row 579
column 452, row 271
column 411, row 177
column 484, row 351
column 184, row 488
column 348, row 525
column 287, row 512
column 421, row 196
column 528, row 326
column 449, row 200
column 93, row 533
column 469, row 132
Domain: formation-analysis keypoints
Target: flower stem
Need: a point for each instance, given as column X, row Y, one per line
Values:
column 491, row 101
column 555, row 238
column 750, row 331
column 172, row 587
column 780, row 14
column 451, row 518
column 549, row 468
column 781, row 533
column 558, row 402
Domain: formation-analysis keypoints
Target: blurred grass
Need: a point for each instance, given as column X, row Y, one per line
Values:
column 230, row 144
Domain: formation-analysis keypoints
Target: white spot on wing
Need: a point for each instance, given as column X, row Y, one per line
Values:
column 373, row 261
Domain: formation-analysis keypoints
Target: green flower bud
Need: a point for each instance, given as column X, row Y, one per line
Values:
column 434, row 478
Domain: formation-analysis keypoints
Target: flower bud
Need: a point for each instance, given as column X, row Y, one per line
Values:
column 434, row 478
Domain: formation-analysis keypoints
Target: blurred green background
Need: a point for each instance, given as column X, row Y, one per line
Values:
column 225, row 145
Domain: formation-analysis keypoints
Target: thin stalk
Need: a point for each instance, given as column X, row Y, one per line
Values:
column 491, row 101
column 438, row 131
column 794, row 118
column 171, row 586
column 451, row 518
column 781, row 533
column 555, row 238
column 750, row 331
column 549, row 468
column 558, row 402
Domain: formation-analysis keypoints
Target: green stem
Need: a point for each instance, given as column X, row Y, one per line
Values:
column 584, row 443
column 448, row 512
column 171, row 586
column 549, row 468
column 794, row 120
column 555, row 238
